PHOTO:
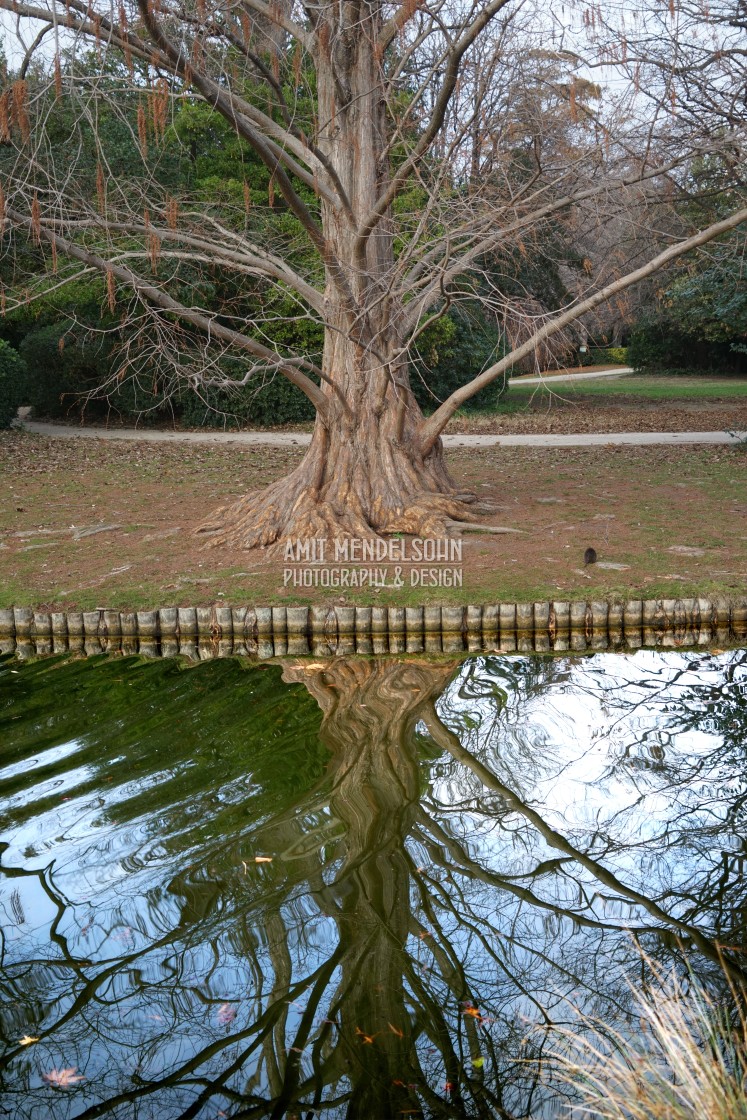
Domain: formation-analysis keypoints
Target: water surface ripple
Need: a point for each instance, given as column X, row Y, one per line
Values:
column 353, row 888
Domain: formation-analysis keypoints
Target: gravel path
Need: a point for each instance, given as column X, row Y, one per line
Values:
column 302, row 439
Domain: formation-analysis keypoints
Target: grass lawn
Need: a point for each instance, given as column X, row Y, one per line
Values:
column 631, row 403
column 85, row 524
column 639, row 386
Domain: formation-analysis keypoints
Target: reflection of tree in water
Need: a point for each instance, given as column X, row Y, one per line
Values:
column 422, row 915
column 369, row 715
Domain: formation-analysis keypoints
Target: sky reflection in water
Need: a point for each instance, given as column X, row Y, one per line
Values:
column 459, row 853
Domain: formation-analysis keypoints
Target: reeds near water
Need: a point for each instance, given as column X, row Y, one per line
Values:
column 687, row 1060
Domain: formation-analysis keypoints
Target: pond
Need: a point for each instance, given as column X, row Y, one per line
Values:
column 353, row 887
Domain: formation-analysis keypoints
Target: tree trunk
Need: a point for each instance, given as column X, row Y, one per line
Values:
column 361, row 477
column 364, row 473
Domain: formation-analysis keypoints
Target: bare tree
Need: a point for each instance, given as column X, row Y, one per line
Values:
column 411, row 173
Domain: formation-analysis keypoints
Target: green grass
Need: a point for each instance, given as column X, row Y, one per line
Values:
column 643, row 386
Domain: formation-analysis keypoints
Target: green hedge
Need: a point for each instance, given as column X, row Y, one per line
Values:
column 12, row 376
column 453, row 351
column 64, row 366
column 278, row 402
column 603, row 355
column 658, row 346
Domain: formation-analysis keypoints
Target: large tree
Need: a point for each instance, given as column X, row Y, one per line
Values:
column 408, row 148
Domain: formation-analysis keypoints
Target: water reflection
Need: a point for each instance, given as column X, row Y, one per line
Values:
column 451, row 856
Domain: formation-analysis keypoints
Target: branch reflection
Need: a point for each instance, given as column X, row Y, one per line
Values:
column 479, row 849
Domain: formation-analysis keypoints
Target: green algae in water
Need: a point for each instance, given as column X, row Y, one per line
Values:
column 451, row 854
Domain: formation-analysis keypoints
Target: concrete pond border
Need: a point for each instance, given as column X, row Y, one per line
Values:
column 266, row 632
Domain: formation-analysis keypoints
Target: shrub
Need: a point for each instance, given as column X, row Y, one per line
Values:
column 689, row 1060
column 602, row 355
column 12, row 375
column 59, row 369
column 658, row 345
column 278, row 402
column 453, row 351
column 66, row 370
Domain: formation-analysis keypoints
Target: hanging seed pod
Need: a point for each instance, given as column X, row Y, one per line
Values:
column 154, row 251
column 172, row 213
column 100, row 189
column 5, row 118
column 160, row 108
column 142, row 131
column 36, row 219
column 111, row 290
column 20, row 109
column 57, row 78
column 246, row 28
column 572, row 100
column 297, row 61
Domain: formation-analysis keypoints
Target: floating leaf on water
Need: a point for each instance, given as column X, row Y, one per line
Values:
column 396, row 1030
column 27, row 1040
column 226, row 1014
column 367, row 1039
column 263, row 859
column 62, row 1078
column 478, row 1063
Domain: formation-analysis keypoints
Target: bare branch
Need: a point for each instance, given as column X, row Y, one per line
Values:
column 150, row 294
column 433, row 427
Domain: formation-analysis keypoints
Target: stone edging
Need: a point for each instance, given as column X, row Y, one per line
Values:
column 323, row 630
